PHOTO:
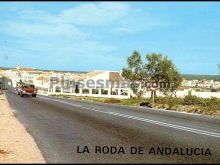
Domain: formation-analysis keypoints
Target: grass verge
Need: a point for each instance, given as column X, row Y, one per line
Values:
column 190, row 104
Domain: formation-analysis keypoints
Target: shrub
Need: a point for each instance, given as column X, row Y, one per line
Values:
column 111, row 100
column 161, row 100
column 135, row 101
column 168, row 100
column 205, row 103
column 213, row 90
column 190, row 93
column 214, row 104
column 191, row 100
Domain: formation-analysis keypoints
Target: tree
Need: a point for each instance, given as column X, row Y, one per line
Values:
column 157, row 69
column 135, row 71
column 162, row 71
column 4, row 80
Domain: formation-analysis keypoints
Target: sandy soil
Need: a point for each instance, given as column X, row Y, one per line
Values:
column 16, row 145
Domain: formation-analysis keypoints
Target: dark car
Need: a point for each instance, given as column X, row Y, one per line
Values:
column 27, row 90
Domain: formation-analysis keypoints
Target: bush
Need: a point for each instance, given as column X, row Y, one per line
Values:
column 161, row 100
column 191, row 100
column 171, row 101
column 213, row 90
column 190, row 93
column 214, row 104
column 58, row 90
column 114, row 101
column 206, row 103
column 135, row 101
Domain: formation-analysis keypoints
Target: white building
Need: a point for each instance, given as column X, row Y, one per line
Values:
column 108, row 84
column 97, row 83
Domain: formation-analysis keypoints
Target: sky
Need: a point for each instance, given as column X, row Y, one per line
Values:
column 86, row 36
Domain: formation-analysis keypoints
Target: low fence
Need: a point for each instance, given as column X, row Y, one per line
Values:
column 118, row 95
column 91, row 95
column 147, row 94
column 206, row 94
column 186, row 92
column 42, row 90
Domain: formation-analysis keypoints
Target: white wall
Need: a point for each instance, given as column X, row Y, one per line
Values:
column 206, row 94
column 185, row 93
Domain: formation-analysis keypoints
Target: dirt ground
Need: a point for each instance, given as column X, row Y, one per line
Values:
column 16, row 145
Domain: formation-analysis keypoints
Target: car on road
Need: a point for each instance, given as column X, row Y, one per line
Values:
column 27, row 90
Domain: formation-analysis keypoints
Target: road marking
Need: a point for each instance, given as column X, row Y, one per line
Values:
column 142, row 119
column 165, row 110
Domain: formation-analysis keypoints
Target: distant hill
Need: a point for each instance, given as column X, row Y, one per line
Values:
column 62, row 71
column 200, row 77
column 3, row 68
column 186, row 76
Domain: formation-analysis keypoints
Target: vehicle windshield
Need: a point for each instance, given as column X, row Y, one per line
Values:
column 28, row 86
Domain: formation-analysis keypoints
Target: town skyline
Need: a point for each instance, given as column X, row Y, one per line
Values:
column 86, row 36
column 216, row 76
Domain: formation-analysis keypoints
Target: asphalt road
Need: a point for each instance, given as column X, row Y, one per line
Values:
column 62, row 128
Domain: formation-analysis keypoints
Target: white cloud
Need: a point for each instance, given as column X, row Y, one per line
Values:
column 111, row 16
column 42, row 30
column 89, row 14
column 79, row 32
column 101, row 14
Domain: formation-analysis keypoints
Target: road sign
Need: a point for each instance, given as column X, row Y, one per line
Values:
column 153, row 88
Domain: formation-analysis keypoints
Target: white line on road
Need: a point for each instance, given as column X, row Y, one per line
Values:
column 142, row 119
